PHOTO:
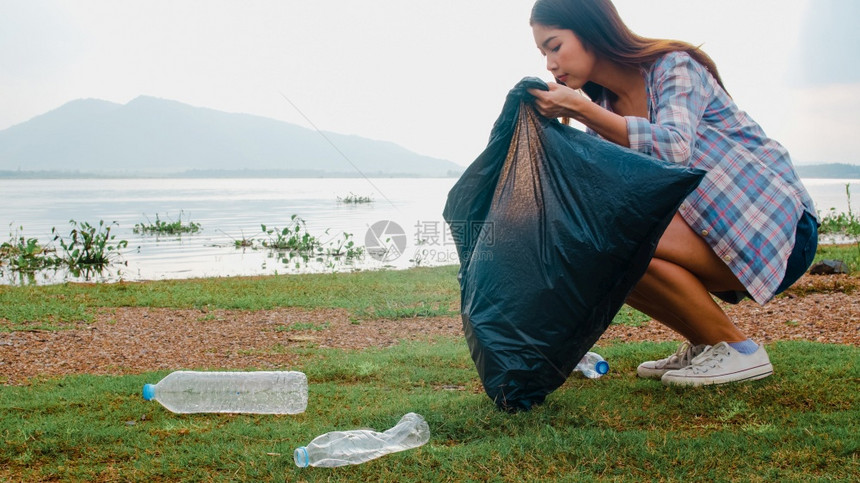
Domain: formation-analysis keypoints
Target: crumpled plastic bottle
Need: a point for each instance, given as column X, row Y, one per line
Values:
column 340, row 448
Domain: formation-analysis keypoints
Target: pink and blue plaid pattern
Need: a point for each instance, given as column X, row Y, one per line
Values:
column 748, row 205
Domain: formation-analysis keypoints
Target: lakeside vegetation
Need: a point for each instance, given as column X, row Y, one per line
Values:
column 295, row 243
column 91, row 250
column 355, row 199
column 162, row 227
column 86, row 248
column 841, row 223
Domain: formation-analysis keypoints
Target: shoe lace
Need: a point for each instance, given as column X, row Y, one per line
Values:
column 709, row 358
column 684, row 354
column 689, row 354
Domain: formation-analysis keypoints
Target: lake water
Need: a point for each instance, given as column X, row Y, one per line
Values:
column 233, row 209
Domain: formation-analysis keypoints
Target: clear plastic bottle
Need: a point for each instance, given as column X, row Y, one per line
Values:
column 340, row 448
column 592, row 365
column 260, row 392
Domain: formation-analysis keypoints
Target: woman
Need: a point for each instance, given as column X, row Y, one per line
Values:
column 749, row 229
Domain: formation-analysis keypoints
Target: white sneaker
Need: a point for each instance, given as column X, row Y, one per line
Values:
column 680, row 359
column 721, row 364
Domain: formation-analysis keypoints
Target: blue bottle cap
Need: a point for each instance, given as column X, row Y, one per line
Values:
column 602, row 367
column 149, row 392
column 300, row 456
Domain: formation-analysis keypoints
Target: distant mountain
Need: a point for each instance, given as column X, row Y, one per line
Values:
column 158, row 136
column 832, row 170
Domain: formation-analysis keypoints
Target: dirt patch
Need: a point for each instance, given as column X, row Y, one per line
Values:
column 127, row 340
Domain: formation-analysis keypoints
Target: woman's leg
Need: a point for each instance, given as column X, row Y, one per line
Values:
column 676, row 287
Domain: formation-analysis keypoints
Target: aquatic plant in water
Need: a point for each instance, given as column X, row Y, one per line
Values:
column 162, row 227
column 89, row 247
column 847, row 224
column 294, row 238
column 354, row 199
column 22, row 254
column 294, row 244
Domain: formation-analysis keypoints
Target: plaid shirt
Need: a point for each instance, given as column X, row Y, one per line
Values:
column 748, row 205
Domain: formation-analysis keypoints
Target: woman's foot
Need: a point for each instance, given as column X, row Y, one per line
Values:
column 721, row 364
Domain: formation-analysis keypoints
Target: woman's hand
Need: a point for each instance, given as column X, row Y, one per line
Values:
column 562, row 101
column 558, row 101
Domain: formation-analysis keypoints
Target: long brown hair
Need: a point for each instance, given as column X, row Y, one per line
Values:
column 599, row 27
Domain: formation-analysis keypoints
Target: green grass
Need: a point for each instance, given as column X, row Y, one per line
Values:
column 848, row 253
column 803, row 423
column 417, row 292
column 389, row 294
column 298, row 326
column 630, row 317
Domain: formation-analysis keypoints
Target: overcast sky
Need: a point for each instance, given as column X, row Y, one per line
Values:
column 430, row 76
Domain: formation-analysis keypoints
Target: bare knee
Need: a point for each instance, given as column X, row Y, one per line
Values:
column 652, row 281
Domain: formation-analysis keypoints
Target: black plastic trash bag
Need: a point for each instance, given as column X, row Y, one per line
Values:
column 553, row 229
